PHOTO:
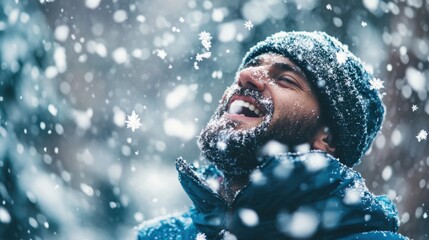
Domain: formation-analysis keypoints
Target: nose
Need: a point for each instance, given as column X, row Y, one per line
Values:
column 252, row 78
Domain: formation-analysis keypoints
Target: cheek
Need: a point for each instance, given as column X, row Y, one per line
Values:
column 293, row 109
column 313, row 107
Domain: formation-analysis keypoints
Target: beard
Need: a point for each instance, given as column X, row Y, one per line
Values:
column 236, row 152
column 233, row 150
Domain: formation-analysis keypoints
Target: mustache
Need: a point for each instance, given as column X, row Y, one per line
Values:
column 237, row 90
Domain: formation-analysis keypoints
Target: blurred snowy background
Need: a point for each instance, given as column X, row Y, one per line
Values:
column 72, row 71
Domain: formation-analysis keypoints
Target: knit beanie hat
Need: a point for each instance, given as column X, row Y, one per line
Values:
column 350, row 103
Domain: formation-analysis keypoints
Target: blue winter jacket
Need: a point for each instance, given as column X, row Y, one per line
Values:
column 291, row 196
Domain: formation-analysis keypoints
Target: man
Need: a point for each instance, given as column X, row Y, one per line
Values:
column 300, row 114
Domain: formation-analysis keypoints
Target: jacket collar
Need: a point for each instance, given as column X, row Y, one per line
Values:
column 312, row 183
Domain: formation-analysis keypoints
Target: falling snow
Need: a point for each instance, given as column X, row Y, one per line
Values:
column 52, row 109
column 92, row 4
column 161, row 53
column 120, row 55
column 200, row 57
column 249, row 217
column 88, row 190
column 205, row 39
column 120, row 16
column 133, row 121
column 201, row 236
column 422, row 135
column 248, row 25
column 62, row 33
column 376, row 84
column 175, row 29
column 71, row 72
column 352, row 196
column 4, row 216
column 301, row 224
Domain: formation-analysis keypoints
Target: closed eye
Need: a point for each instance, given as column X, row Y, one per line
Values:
column 287, row 80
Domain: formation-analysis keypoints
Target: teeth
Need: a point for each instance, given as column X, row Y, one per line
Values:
column 235, row 107
column 238, row 104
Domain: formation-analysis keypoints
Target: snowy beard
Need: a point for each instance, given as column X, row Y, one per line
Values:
column 234, row 151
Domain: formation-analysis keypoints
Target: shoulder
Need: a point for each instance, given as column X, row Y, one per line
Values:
column 318, row 165
column 175, row 227
column 375, row 235
column 329, row 183
column 315, row 164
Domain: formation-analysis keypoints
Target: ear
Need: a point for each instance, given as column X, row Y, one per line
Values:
column 323, row 140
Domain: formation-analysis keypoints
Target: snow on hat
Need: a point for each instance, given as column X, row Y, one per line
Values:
column 351, row 105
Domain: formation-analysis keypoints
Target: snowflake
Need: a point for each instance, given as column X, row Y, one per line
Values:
column 414, row 108
column 205, row 38
column 181, row 19
column 161, row 53
column 228, row 235
column 422, row 135
column 175, row 29
column 133, row 121
column 207, row 45
column 364, row 24
column 248, row 25
column 329, row 7
column 341, row 57
column 376, row 84
column 201, row 236
column 196, row 66
column 200, row 57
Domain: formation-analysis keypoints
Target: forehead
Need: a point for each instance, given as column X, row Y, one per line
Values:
column 271, row 58
column 283, row 63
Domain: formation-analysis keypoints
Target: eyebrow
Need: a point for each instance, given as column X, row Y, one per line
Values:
column 280, row 65
column 253, row 61
column 290, row 68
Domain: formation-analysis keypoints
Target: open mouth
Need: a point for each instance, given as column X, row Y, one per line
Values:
column 245, row 106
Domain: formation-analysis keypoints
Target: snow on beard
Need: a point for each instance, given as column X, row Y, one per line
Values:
column 233, row 150
column 236, row 151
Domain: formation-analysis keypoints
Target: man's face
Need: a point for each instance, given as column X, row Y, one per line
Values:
column 270, row 100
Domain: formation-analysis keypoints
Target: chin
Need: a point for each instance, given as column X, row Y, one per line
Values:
column 233, row 145
column 236, row 131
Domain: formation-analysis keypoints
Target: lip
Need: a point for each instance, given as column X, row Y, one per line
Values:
column 247, row 121
column 241, row 118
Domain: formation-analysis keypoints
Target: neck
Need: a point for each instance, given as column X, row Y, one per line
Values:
column 231, row 185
